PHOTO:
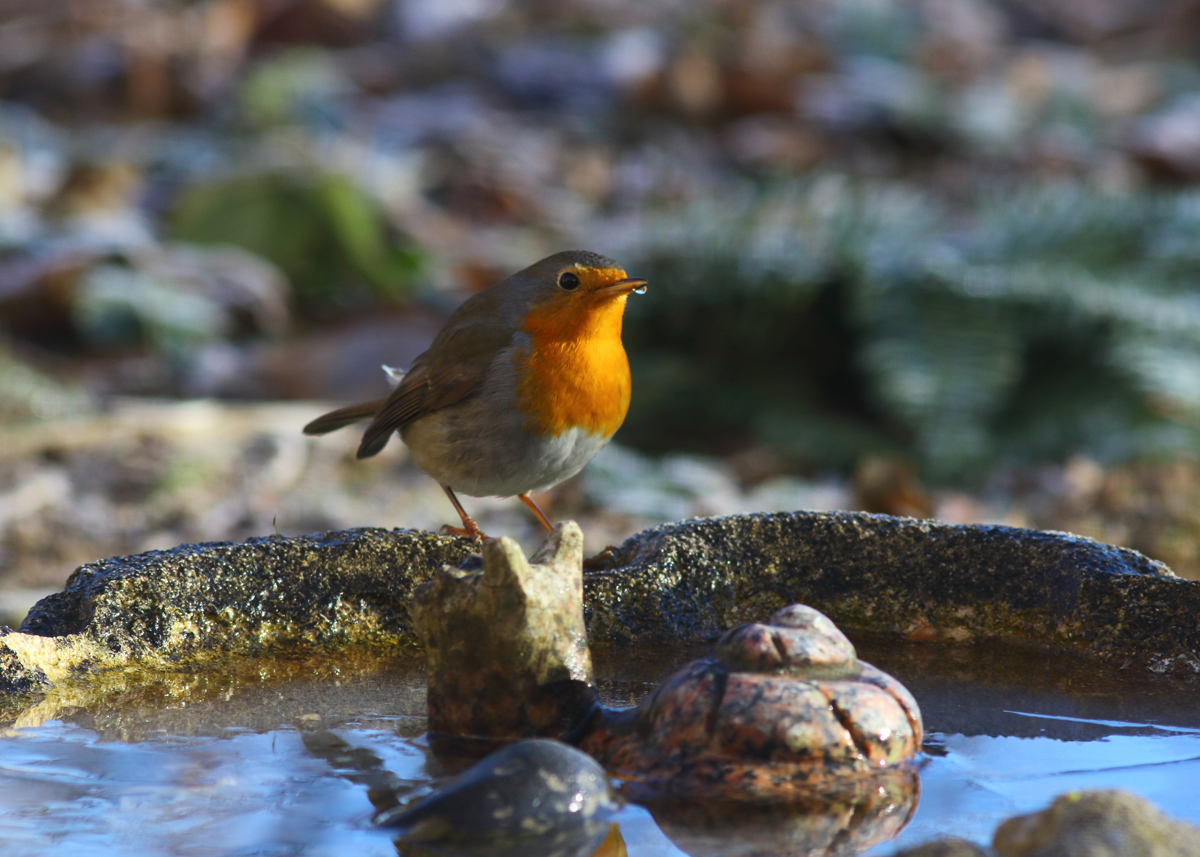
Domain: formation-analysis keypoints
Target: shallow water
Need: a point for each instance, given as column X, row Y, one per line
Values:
column 295, row 756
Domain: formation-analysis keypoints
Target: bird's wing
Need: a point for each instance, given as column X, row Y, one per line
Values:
column 453, row 368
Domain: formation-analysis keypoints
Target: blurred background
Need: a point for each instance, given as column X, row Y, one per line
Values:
column 935, row 257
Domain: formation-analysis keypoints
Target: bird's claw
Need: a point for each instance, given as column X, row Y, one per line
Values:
column 473, row 533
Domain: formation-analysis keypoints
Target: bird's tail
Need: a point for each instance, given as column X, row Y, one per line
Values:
column 335, row 420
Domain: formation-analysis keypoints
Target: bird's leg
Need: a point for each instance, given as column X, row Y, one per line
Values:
column 541, row 516
column 469, row 527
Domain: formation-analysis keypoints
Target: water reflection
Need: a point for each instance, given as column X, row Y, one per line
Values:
column 63, row 790
column 585, row 841
column 364, row 767
column 873, row 812
column 298, row 757
column 387, row 790
column 261, row 694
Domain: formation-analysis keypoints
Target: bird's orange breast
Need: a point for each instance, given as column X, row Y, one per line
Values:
column 575, row 373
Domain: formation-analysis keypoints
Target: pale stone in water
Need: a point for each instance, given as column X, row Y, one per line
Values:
column 507, row 647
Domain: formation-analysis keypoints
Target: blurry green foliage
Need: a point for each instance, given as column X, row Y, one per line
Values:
column 831, row 320
column 326, row 234
column 27, row 393
column 293, row 85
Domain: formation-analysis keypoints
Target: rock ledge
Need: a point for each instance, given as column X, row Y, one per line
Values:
column 687, row 580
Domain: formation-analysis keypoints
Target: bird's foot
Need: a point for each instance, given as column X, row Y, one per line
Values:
column 471, row 531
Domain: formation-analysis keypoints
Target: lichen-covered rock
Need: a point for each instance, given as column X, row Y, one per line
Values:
column 1096, row 824
column 16, row 673
column 922, row 579
column 533, row 797
column 506, row 647
column 680, row 581
column 197, row 601
column 783, row 708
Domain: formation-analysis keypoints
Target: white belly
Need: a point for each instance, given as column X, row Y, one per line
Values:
column 496, row 463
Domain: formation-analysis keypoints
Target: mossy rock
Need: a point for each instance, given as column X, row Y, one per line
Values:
column 684, row 581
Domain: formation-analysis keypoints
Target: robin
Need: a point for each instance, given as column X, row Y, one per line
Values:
column 524, row 384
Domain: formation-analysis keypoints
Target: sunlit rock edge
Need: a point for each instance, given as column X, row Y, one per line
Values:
column 681, row 581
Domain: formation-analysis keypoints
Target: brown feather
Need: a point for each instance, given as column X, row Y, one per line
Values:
column 335, row 420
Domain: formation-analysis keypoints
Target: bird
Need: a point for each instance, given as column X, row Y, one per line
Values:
column 527, row 380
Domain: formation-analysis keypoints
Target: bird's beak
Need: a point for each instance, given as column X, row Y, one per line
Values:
column 636, row 285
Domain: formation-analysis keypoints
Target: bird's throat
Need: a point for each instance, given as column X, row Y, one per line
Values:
column 575, row 373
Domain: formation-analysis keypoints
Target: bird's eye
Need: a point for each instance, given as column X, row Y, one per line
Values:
column 568, row 281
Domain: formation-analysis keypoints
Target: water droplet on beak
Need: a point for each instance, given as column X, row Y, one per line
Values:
column 640, row 290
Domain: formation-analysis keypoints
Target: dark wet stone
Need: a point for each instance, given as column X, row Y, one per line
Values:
column 1096, row 824
column 922, row 579
column 15, row 675
column 472, row 563
column 686, row 581
column 533, row 797
column 763, row 719
column 949, row 847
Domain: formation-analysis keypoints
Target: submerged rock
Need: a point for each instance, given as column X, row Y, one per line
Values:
column 534, row 797
column 1096, row 824
column 784, row 709
column 683, row 581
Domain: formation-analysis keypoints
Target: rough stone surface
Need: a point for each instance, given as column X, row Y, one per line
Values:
column 15, row 675
column 1096, row 824
column 763, row 718
column 923, row 579
column 507, row 648
column 798, row 639
column 532, row 797
column 682, row 581
column 197, row 601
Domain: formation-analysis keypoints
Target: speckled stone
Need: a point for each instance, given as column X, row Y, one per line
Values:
column 1096, row 824
column 532, row 797
column 15, row 675
column 798, row 639
column 921, row 579
column 506, row 647
column 166, row 608
column 763, row 718
column 685, row 581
